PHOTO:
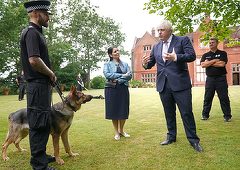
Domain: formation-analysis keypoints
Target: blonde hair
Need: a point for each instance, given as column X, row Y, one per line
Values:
column 164, row 24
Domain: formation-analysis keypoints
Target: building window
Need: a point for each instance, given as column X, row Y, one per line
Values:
column 201, row 72
column 147, row 48
column 235, row 68
column 148, row 78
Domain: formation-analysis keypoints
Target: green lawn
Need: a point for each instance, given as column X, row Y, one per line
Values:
column 92, row 136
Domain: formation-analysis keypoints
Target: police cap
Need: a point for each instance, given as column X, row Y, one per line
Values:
column 42, row 5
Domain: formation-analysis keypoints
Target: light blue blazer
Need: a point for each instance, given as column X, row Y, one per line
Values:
column 110, row 72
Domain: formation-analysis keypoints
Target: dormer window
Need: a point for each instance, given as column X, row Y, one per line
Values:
column 147, row 48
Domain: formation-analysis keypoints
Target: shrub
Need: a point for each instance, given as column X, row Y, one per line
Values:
column 68, row 75
column 135, row 83
column 98, row 82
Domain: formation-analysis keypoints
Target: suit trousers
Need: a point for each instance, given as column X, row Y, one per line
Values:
column 218, row 84
column 183, row 99
column 38, row 112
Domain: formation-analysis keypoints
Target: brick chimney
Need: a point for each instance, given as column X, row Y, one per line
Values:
column 153, row 32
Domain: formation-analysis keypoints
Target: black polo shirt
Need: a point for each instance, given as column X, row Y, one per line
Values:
column 32, row 43
column 21, row 78
column 215, row 71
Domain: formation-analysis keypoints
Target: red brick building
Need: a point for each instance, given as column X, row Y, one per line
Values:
column 197, row 73
column 141, row 46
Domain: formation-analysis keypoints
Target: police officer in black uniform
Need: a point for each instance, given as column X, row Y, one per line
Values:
column 21, row 85
column 214, row 61
column 38, row 73
column 80, row 84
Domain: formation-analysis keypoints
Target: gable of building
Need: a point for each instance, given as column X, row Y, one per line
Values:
column 147, row 39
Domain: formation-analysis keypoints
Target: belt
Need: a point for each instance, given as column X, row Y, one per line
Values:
column 217, row 76
column 44, row 81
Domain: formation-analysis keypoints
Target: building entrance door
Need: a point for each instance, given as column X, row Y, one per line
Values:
column 235, row 78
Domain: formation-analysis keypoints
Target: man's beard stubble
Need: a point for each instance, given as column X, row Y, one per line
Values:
column 41, row 21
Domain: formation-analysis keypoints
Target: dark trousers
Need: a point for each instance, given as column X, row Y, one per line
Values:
column 21, row 91
column 218, row 84
column 183, row 99
column 38, row 110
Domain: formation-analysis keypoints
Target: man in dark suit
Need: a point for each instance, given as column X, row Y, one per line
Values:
column 171, row 55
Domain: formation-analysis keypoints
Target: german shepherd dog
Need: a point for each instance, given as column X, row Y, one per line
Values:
column 61, row 119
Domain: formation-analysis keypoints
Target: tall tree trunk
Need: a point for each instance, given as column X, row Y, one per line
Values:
column 88, row 79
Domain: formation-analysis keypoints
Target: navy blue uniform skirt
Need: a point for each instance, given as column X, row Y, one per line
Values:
column 117, row 102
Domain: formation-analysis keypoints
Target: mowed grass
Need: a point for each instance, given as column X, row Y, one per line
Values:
column 92, row 136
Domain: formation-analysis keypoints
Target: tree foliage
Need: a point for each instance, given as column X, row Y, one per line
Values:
column 90, row 35
column 76, row 34
column 185, row 14
column 59, row 48
column 13, row 18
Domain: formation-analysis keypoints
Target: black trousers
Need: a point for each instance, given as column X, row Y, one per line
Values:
column 218, row 84
column 38, row 111
column 21, row 91
column 79, row 87
column 183, row 99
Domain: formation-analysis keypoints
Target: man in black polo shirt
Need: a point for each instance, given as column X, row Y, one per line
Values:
column 21, row 85
column 214, row 61
column 38, row 73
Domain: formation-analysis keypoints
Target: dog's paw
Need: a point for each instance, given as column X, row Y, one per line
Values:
column 23, row 150
column 74, row 154
column 6, row 159
column 60, row 161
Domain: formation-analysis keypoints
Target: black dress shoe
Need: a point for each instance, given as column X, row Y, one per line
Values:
column 50, row 168
column 204, row 118
column 227, row 119
column 167, row 142
column 51, row 158
column 197, row 147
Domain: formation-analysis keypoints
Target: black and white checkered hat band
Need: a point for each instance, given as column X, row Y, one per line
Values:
column 38, row 7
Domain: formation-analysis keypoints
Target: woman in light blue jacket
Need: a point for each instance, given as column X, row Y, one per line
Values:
column 117, row 98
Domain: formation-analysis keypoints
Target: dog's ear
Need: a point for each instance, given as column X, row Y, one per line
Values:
column 73, row 89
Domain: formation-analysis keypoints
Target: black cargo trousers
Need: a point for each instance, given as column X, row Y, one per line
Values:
column 38, row 111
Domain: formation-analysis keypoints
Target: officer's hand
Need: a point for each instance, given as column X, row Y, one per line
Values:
column 53, row 78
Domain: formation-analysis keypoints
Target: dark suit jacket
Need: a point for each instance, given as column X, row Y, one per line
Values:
column 176, row 72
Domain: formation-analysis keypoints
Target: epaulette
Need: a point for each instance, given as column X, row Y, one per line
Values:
column 24, row 32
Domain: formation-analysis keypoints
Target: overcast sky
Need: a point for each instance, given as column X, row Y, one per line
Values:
column 133, row 19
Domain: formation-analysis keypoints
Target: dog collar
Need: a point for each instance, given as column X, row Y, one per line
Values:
column 69, row 104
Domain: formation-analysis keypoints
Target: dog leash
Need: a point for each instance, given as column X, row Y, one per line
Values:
column 55, row 85
column 64, row 100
